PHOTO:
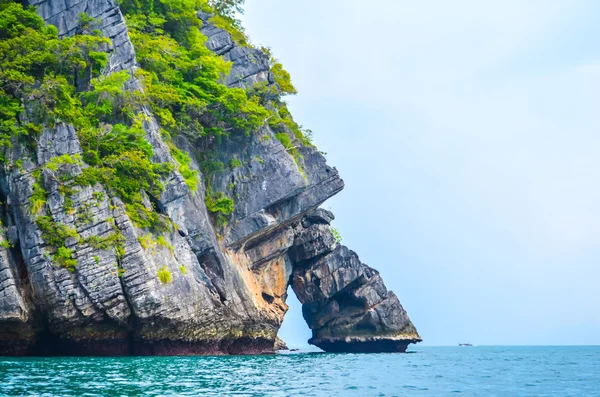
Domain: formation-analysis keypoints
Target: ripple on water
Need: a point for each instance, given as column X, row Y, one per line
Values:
column 488, row 371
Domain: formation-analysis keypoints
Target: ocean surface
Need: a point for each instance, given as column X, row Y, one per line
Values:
column 427, row 371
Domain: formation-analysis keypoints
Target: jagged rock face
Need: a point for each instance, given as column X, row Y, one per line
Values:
column 344, row 302
column 231, row 296
column 90, row 301
column 250, row 65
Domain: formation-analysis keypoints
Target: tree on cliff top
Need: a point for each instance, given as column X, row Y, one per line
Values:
column 228, row 8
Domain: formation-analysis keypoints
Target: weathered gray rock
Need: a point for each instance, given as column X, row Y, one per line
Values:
column 345, row 302
column 229, row 282
column 269, row 187
column 250, row 65
column 312, row 242
column 280, row 345
column 16, row 324
column 319, row 216
column 89, row 304
column 64, row 14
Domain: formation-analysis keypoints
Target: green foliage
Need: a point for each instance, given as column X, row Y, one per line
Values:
column 177, row 18
column 209, row 163
column 46, row 80
column 35, row 64
column 108, row 102
column 181, row 77
column 227, row 8
column 235, row 163
column 38, row 198
column 281, row 76
column 56, row 234
column 283, row 79
column 53, row 102
column 285, row 140
column 86, row 23
column 232, row 27
column 145, row 218
column 66, row 192
column 98, row 196
column 190, row 175
column 336, row 235
column 183, row 269
column 58, row 169
column 64, row 257
column 111, row 140
column 133, row 172
column 164, row 275
column 66, row 159
column 146, row 241
column 162, row 241
column 122, row 159
column 282, row 121
column 291, row 135
column 38, row 66
column 219, row 203
column 5, row 244
column 114, row 240
column 288, row 144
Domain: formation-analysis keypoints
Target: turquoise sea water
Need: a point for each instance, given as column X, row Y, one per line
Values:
column 429, row 371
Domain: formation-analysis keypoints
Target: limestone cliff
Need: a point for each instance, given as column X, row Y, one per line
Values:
column 228, row 281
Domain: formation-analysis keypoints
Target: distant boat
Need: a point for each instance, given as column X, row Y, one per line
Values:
column 465, row 344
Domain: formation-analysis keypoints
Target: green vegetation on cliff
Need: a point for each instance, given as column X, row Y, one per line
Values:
column 164, row 275
column 181, row 77
column 46, row 81
column 43, row 70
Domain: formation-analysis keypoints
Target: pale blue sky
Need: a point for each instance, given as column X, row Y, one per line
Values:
column 468, row 136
